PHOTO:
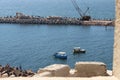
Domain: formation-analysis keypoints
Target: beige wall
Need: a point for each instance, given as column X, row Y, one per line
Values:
column 116, row 58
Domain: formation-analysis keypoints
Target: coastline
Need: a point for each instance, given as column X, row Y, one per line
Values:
column 58, row 70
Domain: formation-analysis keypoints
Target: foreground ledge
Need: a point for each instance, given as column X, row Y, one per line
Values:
column 61, row 78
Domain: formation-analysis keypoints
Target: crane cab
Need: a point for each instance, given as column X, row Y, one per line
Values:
column 86, row 18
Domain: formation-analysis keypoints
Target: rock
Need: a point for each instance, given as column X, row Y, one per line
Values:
column 36, row 75
column 0, row 68
column 0, row 75
column 12, row 76
column 9, row 71
column 89, row 69
column 109, row 72
column 5, row 75
column 72, row 73
column 57, row 70
column 44, row 74
column 17, row 73
column 30, row 73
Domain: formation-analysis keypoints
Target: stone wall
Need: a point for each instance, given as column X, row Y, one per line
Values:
column 116, row 58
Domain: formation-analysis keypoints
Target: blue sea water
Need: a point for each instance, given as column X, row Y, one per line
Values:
column 98, row 8
column 32, row 46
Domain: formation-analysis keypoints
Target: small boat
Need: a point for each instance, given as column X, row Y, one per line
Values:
column 61, row 55
column 82, row 50
column 78, row 50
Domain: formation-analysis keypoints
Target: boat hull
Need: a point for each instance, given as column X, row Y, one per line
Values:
column 79, row 51
column 60, row 56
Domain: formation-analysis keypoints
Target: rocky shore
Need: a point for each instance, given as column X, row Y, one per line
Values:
column 8, row 71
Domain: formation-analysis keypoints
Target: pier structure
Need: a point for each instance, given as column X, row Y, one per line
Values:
column 21, row 18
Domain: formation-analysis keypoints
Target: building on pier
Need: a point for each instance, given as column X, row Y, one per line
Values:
column 22, row 16
column 54, row 17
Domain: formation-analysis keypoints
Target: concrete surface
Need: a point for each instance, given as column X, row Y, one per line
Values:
column 60, row 78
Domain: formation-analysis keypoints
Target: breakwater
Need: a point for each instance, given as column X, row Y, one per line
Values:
column 20, row 18
column 8, row 71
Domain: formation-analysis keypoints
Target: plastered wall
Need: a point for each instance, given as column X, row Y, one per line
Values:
column 116, row 56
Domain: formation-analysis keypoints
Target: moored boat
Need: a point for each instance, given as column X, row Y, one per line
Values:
column 60, row 55
column 78, row 50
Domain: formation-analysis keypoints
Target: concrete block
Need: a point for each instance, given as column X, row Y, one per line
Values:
column 89, row 69
column 43, row 74
column 46, row 74
column 57, row 70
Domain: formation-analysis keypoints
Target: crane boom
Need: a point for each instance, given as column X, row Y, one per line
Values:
column 82, row 15
column 86, row 11
column 77, row 8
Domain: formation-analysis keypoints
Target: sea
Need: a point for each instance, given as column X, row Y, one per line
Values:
column 32, row 45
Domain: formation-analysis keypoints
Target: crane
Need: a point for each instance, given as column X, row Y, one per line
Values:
column 80, row 12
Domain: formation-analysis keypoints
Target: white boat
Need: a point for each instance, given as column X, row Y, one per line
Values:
column 78, row 50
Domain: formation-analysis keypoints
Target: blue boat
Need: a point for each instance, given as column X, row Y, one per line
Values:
column 61, row 55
